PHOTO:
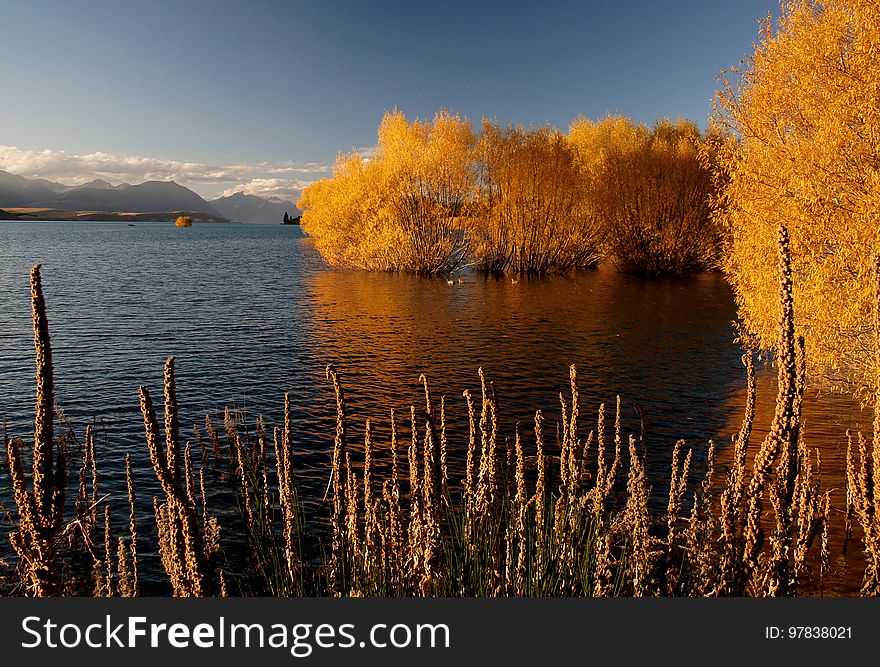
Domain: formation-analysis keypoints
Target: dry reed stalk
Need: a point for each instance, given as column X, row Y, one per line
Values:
column 563, row 448
column 169, row 561
column 677, row 487
column 242, row 471
column 99, row 589
column 337, row 575
column 470, row 491
column 263, row 473
column 638, row 519
column 371, row 529
column 598, row 492
column 492, row 485
column 414, row 537
column 201, row 444
column 87, row 503
column 482, row 495
column 541, row 490
column 351, row 522
column 215, row 439
column 860, row 489
column 132, row 527
column 124, row 574
column 606, row 475
column 783, row 429
column 232, row 442
column 732, row 513
column 189, row 479
column 172, row 422
column 602, row 574
column 444, row 470
column 825, row 551
column 40, row 510
column 287, row 497
column 430, row 523
column 188, row 567
column 521, row 505
column 210, row 525
column 576, row 454
column 395, row 513
column 108, row 553
column 431, row 476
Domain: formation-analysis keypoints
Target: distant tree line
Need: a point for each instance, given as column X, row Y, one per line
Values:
column 437, row 197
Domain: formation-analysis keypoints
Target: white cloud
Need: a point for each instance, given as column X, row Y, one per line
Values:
column 207, row 180
column 270, row 188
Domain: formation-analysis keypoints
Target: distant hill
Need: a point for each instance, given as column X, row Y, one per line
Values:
column 149, row 196
column 20, row 191
column 249, row 208
column 98, row 195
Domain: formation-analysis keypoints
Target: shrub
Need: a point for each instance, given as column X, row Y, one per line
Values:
column 651, row 192
column 532, row 213
column 400, row 209
column 803, row 117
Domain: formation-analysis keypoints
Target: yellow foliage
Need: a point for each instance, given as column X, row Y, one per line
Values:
column 532, row 212
column 803, row 119
column 183, row 221
column 651, row 192
column 398, row 210
column 433, row 199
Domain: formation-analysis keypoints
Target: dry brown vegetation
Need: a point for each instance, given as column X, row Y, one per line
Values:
column 574, row 519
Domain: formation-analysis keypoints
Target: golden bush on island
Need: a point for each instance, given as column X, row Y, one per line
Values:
column 184, row 221
column 804, row 123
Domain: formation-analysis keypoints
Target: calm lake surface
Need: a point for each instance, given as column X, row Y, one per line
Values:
column 251, row 312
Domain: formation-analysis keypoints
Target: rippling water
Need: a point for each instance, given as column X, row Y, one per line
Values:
column 250, row 312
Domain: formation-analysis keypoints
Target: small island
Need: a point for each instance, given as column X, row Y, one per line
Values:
column 183, row 221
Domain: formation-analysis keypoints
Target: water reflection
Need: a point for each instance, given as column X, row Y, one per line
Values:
column 664, row 345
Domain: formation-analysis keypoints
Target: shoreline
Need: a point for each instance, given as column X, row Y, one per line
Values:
column 15, row 214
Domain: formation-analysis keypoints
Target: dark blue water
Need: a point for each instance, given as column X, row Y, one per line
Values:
column 251, row 312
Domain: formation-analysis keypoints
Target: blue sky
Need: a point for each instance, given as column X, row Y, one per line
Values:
column 260, row 96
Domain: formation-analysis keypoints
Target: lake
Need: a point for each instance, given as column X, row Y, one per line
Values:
column 251, row 312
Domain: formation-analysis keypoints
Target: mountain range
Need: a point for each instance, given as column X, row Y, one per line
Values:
column 250, row 208
column 18, row 192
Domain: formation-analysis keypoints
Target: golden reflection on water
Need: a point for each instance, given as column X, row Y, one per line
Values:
column 663, row 345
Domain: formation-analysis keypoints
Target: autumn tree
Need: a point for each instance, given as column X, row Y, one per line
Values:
column 651, row 191
column 803, row 117
column 343, row 216
column 531, row 215
column 401, row 208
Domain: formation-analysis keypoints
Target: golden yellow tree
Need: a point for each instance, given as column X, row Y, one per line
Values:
column 532, row 215
column 651, row 190
column 401, row 208
column 803, row 117
column 342, row 215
